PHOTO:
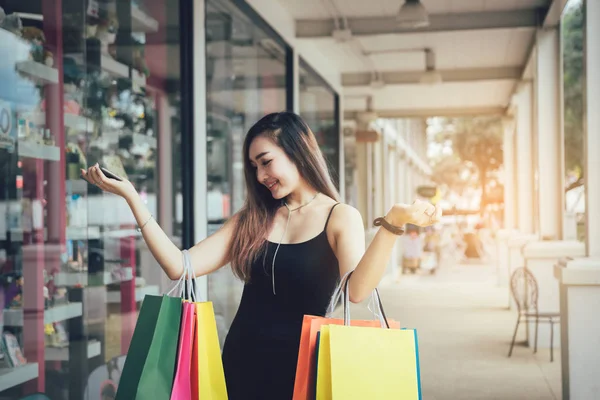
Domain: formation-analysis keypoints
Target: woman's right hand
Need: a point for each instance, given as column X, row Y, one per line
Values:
column 95, row 176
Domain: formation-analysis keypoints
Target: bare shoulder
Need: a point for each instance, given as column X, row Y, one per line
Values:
column 345, row 216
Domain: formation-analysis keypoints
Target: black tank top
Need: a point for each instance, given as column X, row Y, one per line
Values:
column 306, row 275
column 261, row 349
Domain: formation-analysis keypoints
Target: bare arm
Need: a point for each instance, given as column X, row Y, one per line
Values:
column 370, row 265
column 207, row 256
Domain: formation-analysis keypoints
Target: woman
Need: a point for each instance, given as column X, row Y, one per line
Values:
column 290, row 243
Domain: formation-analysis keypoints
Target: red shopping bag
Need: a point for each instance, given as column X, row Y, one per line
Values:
column 182, row 385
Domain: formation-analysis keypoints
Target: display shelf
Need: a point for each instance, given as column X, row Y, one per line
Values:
column 11, row 377
column 72, row 121
column 40, row 73
column 94, row 348
column 114, row 296
column 142, row 22
column 40, row 151
column 114, row 67
column 83, row 233
column 53, row 314
column 85, row 279
column 121, row 233
column 107, row 64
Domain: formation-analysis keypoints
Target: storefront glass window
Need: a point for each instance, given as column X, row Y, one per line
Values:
column 319, row 108
column 83, row 82
column 245, row 80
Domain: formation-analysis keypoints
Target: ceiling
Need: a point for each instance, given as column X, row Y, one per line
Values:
column 480, row 48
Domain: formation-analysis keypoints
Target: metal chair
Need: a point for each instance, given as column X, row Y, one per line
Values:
column 524, row 289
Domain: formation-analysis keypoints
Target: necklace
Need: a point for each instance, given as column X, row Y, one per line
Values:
column 290, row 211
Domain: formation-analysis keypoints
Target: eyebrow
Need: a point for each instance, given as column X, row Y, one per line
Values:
column 261, row 155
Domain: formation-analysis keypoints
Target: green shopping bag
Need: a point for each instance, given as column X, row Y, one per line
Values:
column 149, row 368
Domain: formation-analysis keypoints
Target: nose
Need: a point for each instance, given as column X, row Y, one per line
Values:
column 261, row 175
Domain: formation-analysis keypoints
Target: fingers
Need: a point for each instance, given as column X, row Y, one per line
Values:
column 95, row 176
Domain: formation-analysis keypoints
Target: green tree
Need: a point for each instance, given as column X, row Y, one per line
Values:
column 573, row 81
column 475, row 142
column 450, row 171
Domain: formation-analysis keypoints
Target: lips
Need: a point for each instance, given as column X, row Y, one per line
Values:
column 271, row 185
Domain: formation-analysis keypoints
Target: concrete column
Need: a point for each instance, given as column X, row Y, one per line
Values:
column 510, row 206
column 523, row 163
column 402, row 167
column 540, row 258
column 362, row 184
column 549, row 136
column 369, row 182
column 580, row 278
column 200, row 151
column 378, row 178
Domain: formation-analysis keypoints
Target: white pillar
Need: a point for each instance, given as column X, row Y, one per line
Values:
column 549, row 136
column 580, row 278
column 369, row 181
column 200, row 151
column 510, row 220
column 378, row 178
column 523, row 163
column 362, row 180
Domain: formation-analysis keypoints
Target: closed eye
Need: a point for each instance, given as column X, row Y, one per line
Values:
column 265, row 163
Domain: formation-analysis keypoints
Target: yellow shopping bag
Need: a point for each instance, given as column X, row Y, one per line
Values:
column 211, row 378
column 362, row 363
column 365, row 362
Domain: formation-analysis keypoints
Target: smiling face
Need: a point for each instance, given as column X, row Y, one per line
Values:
column 273, row 167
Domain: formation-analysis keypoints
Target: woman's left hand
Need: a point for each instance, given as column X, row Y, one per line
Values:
column 419, row 213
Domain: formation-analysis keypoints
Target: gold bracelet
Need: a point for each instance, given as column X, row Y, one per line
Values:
column 145, row 223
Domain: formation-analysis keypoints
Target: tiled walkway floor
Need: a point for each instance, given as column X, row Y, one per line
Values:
column 464, row 334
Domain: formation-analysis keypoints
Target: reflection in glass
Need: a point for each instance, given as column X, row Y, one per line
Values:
column 83, row 82
column 572, row 35
column 319, row 108
column 246, row 79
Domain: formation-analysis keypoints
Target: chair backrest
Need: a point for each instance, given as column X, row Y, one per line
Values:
column 524, row 289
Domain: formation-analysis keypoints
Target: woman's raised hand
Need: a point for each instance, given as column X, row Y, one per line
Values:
column 95, row 176
column 420, row 213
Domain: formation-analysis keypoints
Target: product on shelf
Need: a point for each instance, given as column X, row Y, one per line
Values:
column 12, row 350
column 11, row 22
column 37, row 39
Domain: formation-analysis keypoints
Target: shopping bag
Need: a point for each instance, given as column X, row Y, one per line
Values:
column 194, row 372
column 182, row 386
column 382, row 364
column 304, row 385
column 149, row 368
column 211, row 377
column 305, row 378
column 150, row 364
column 358, row 362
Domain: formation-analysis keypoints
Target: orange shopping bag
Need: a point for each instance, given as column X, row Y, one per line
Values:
column 304, row 386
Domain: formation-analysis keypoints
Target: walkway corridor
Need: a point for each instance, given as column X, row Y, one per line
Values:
column 464, row 335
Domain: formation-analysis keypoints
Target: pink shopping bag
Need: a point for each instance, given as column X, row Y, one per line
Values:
column 182, row 386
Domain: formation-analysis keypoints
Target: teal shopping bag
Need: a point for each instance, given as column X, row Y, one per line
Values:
column 150, row 364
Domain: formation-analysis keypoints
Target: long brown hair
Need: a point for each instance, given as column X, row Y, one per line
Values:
column 254, row 220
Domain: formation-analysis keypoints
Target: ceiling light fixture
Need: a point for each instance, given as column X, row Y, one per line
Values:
column 377, row 81
column 430, row 76
column 412, row 14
